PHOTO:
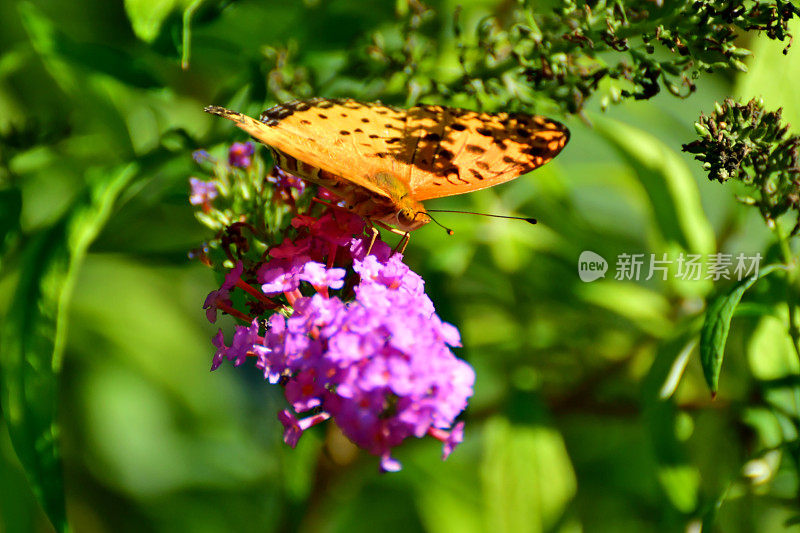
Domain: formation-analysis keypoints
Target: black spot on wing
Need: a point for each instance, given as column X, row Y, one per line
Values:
column 476, row 174
column 276, row 113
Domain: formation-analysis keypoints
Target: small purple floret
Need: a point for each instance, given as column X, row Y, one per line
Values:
column 240, row 154
column 202, row 191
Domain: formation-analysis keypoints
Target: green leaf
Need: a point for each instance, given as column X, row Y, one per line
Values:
column 673, row 192
column 147, row 16
column 681, row 484
column 715, row 328
column 770, row 350
column 527, row 477
column 51, row 42
column 33, row 333
column 89, row 98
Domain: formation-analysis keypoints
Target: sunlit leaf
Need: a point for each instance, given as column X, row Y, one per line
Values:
column 33, row 335
column 673, row 193
column 770, row 351
column 681, row 483
column 717, row 324
column 147, row 16
column 527, row 477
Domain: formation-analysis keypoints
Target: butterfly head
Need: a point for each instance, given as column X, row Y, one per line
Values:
column 411, row 216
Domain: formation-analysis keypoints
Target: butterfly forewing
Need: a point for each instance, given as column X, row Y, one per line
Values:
column 478, row 150
column 357, row 142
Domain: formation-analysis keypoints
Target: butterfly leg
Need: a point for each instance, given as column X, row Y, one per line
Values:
column 372, row 240
column 401, row 246
column 405, row 236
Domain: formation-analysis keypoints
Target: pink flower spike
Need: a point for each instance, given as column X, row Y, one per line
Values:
column 455, row 438
column 240, row 154
column 320, row 277
column 213, row 301
column 219, row 298
column 219, row 341
column 288, row 249
column 294, row 428
column 292, row 296
column 233, row 276
column 303, row 221
column 389, row 464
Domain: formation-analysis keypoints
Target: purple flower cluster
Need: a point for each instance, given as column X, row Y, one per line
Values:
column 240, row 154
column 356, row 340
column 285, row 182
column 380, row 366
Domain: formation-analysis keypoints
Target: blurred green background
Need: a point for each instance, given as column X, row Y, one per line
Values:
column 583, row 418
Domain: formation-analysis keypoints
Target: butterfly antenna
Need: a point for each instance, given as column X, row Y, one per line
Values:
column 529, row 220
column 448, row 230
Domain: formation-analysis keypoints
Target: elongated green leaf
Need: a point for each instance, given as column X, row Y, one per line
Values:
column 32, row 337
column 717, row 324
column 678, row 477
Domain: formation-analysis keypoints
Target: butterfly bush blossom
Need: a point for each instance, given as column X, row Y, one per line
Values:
column 351, row 336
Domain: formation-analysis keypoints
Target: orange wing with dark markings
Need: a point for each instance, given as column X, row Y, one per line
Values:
column 403, row 156
column 463, row 151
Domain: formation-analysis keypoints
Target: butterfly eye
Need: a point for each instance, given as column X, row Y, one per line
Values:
column 406, row 216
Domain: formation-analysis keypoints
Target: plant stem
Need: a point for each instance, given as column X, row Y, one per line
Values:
column 791, row 287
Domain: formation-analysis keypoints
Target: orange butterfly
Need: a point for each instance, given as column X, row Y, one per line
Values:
column 383, row 161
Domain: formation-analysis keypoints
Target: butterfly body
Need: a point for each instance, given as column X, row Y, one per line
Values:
column 384, row 161
column 386, row 209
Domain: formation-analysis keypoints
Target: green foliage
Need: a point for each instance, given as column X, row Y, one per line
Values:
column 631, row 49
column 748, row 144
column 717, row 325
column 548, row 55
column 565, row 52
column 33, row 338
